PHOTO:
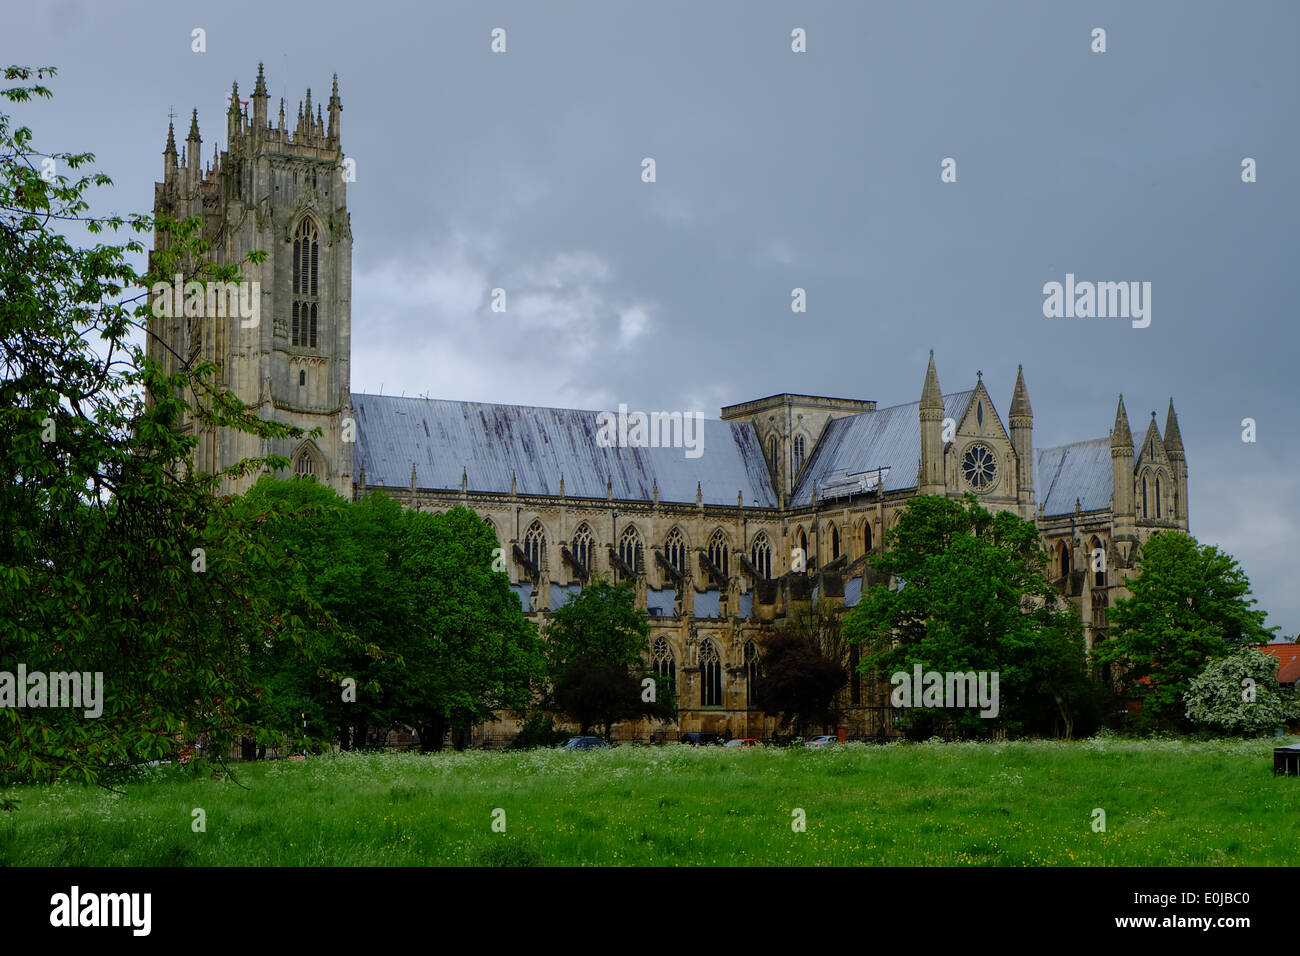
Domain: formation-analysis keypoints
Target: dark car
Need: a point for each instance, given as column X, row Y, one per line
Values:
column 584, row 743
column 701, row 739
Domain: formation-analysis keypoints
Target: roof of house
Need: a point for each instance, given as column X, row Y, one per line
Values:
column 1289, row 655
column 490, row 444
column 1080, row 470
column 883, row 438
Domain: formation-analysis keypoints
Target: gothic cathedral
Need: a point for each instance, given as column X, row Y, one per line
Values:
column 790, row 497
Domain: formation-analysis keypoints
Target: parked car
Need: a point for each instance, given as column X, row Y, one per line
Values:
column 584, row 743
column 742, row 742
column 817, row 743
column 701, row 739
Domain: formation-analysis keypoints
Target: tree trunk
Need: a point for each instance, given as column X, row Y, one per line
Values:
column 431, row 735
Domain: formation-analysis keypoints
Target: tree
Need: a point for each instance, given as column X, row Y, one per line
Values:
column 970, row 593
column 344, row 561
column 597, row 646
column 799, row 681
column 1190, row 604
column 115, row 556
column 1238, row 693
column 468, row 651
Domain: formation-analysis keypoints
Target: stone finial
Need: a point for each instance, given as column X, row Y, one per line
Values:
column 194, row 127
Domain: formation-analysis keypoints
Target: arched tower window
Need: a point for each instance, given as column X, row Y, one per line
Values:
column 799, row 452
column 1063, row 557
column 665, row 665
column 760, row 554
column 1144, row 496
column 719, row 552
column 583, row 545
column 628, row 542
column 751, row 672
column 835, row 542
column 1157, row 495
column 535, row 544
column 710, row 675
column 306, row 303
column 771, row 451
column 675, row 550
column 866, row 535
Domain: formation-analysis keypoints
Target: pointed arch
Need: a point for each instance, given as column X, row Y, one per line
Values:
column 866, row 536
column 1144, row 494
column 675, row 549
column 584, row 546
column 1098, row 568
column 628, row 544
column 1063, row 558
column 1158, row 510
column 835, row 541
column 535, row 543
column 760, row 554
column 309, row 462
column 751, row 672
column 710, row 674
column 800, row 452
column 720, row 552
column 664, row 662
column 304, row 329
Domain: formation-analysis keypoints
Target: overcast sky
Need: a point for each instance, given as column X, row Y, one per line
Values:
column 777, row 170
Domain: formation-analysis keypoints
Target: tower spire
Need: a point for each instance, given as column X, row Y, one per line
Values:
column 1173, row 437
column 931, row 397
column 1020, row 397
column 194, row 126
column 1120, row 436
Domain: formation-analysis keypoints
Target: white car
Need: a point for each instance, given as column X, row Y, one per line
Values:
column 817, row 743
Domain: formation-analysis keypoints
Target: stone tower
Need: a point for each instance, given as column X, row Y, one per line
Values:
column 283, row 192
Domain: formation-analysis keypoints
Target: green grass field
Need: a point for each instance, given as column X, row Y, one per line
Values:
column 1007, row 804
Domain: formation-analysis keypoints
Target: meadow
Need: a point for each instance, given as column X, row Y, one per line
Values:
column 1032, row 803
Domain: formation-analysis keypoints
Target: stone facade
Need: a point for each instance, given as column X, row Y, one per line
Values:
column 716, row 574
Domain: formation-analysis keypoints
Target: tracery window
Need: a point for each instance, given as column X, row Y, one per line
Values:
column 760, row 553
column 583, row 545
column 718, row 552
column 665, row 665
column 306, row 304
column 628, row 542
column 710, row 675
column 798, row 453
column 535, row 544
column 675, row 550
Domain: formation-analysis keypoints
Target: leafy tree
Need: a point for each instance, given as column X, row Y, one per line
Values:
column 1190, row 604
column 799, row 681
column 1238, row 693
column 468, row 651
column 344, row 561
column 971, row 594
column 597, row 646
column 115, row 556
